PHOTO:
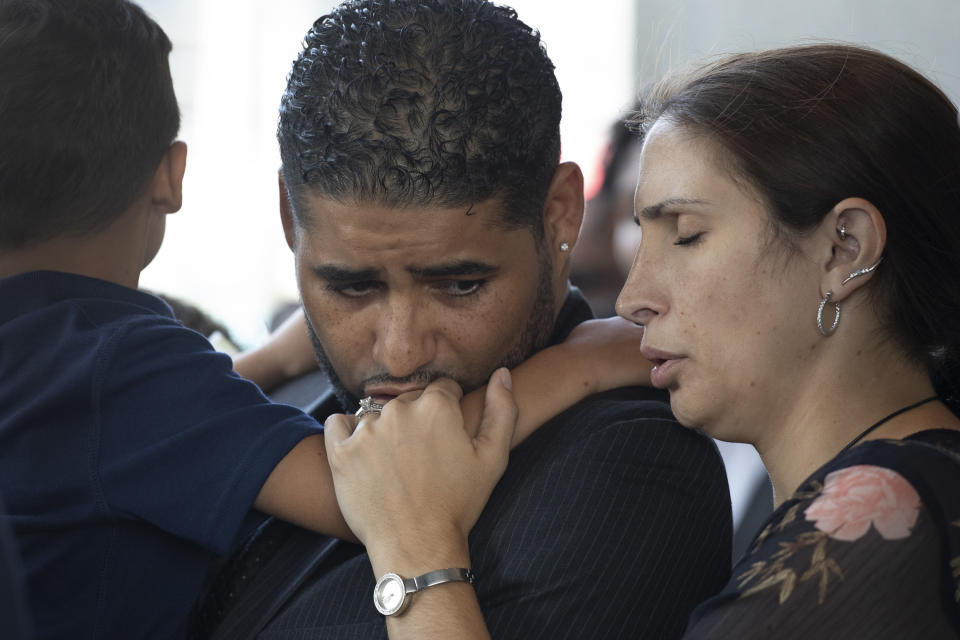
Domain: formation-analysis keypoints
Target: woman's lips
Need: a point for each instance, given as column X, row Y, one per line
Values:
column 665, row 364
column 664, row 372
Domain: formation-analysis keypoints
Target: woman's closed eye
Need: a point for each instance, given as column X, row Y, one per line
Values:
column 683, row 241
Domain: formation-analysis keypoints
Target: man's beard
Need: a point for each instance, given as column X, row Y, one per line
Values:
column 536, row 333
column 347, row 400
column 532, row 338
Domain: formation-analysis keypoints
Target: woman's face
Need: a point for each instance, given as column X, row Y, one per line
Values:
column 730, row 314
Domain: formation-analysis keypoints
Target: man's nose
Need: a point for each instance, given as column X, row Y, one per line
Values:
column 406, row 337
column 641, row 298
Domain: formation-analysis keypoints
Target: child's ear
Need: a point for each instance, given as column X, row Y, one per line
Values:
column 167, row 189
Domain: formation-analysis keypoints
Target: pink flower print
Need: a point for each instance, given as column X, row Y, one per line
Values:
column 857, row 496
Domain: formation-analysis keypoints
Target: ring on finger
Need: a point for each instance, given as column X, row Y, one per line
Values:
column 367, row 405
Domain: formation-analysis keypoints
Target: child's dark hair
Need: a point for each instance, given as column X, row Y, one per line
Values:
column 87, row 110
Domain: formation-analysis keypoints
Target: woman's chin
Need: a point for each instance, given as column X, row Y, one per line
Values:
column 682, row 412
column 689, row 415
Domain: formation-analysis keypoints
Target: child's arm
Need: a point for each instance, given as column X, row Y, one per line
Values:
column 300, row 487
column 599, row 355
column 285, row 355
column 300, row 490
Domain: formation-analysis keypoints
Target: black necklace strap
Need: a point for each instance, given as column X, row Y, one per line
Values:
column 883, row 420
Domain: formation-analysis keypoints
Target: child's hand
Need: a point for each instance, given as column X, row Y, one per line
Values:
column 607, row 352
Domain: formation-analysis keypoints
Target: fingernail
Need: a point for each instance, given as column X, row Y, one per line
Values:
column 506, row 379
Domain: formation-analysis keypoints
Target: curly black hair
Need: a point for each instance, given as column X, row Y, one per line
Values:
column 417, row 102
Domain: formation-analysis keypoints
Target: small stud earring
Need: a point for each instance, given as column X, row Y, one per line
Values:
column 843, row 231
column 564, row 246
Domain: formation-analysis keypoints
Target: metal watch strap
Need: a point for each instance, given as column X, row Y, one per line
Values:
column 391, row 595
column 440, row 576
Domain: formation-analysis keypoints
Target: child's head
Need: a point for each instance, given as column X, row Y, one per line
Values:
column 87, row 111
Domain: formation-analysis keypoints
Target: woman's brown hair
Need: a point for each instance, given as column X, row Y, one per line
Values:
column 808, row 126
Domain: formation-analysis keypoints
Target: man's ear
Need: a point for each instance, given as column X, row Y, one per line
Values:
column 563, row 213
column 853, row 235
column 286, row 212
column 166, row 190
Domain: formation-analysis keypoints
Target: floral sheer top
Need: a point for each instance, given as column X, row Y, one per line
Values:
column 868, row 547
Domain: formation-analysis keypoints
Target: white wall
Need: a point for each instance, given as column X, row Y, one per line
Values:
column 225, row 250
column 922, row 33
column 592, row 45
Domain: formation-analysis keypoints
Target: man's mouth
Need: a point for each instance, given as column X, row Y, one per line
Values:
column 382, row 394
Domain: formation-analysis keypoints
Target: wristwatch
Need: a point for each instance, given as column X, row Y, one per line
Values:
column 390, row 594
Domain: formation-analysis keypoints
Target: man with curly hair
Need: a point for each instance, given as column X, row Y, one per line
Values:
column 431, row 219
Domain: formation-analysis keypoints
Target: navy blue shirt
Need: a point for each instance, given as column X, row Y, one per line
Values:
column 130, row 454
column 13, row 607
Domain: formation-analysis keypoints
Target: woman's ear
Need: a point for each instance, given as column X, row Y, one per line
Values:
column 854, row 235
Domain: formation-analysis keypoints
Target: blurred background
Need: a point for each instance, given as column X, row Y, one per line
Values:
column 225, row 251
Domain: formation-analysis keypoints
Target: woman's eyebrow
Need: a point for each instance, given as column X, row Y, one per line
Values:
column 655, row 210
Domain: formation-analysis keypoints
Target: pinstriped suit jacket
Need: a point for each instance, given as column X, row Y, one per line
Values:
column 611, row 521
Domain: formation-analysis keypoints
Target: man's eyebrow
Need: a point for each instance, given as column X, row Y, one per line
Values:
column 459, row 268
column 336, row 274
column 655, row 210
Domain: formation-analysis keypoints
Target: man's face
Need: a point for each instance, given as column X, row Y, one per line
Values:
column 399, row 297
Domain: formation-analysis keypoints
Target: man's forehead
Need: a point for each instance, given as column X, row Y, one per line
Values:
column 321, row 209
column 427, row 241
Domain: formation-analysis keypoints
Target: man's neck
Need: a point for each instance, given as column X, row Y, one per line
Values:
column 574, row 310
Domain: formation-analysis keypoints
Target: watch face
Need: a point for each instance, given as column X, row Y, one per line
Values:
column 389, row 594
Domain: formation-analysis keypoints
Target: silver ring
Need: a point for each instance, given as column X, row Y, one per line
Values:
column 367, row 405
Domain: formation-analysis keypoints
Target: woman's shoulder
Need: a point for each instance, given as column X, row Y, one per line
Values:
column 869, row 543
column 925, row 465
column 945, row 440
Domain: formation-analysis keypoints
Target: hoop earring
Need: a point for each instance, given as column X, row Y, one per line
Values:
column 860, row 272
column 843, row 231
column 836, row 315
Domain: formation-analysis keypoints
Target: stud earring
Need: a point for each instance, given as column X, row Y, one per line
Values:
column 564, row 246
column 843, row 231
